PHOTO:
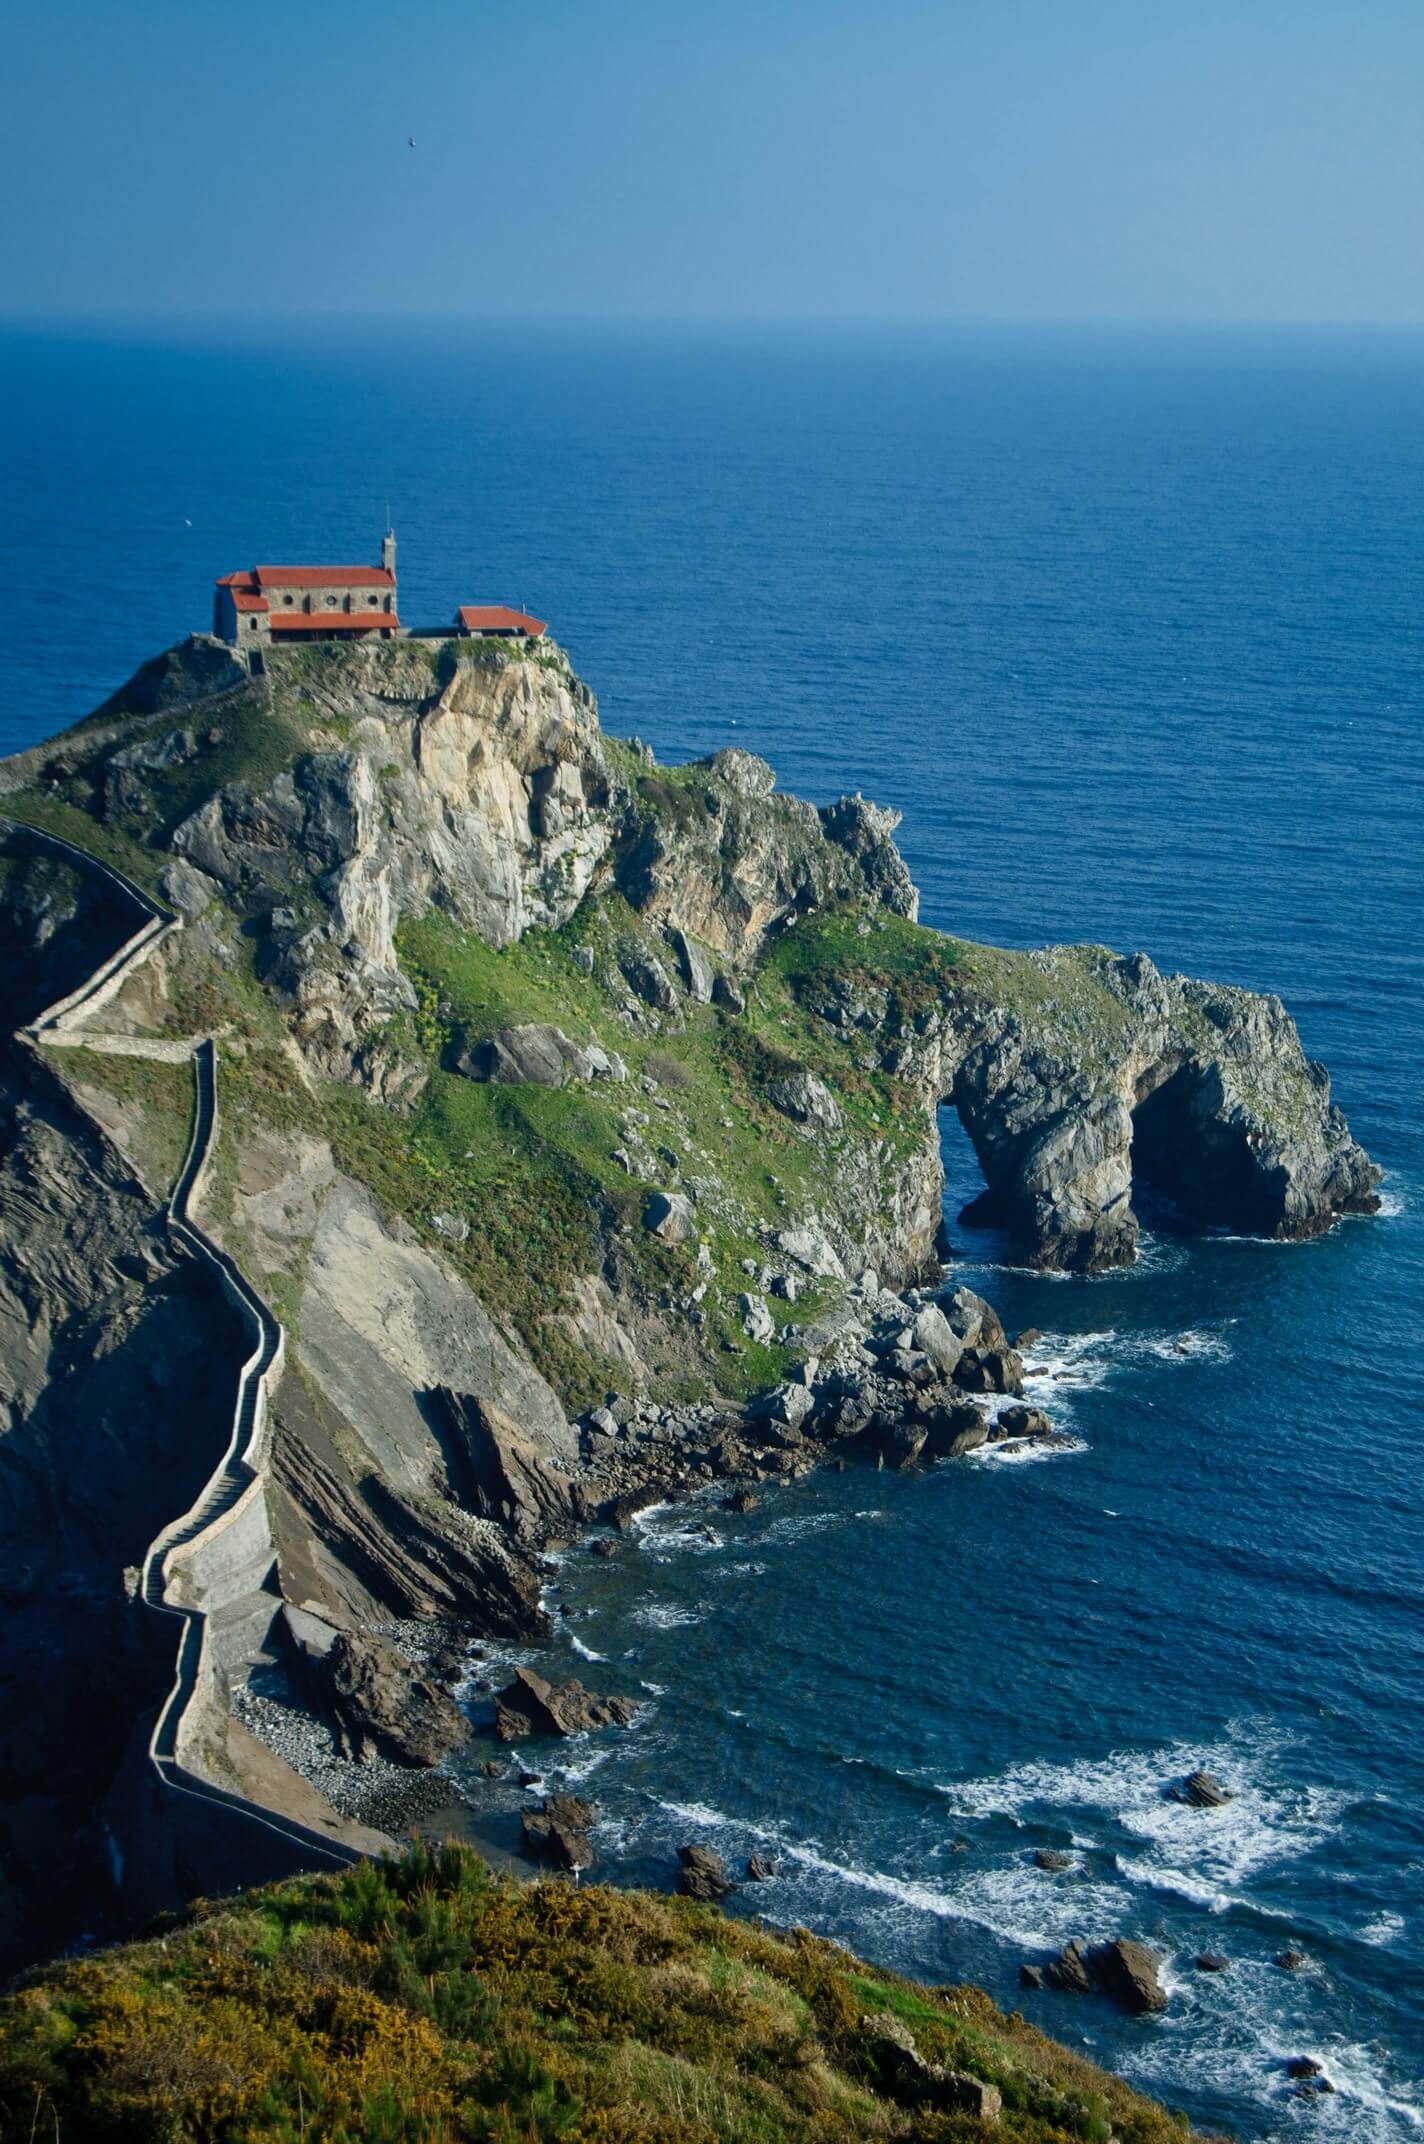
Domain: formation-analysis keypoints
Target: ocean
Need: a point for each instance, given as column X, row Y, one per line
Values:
column 1128, row 626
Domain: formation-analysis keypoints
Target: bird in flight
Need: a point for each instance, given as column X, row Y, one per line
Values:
column 410, row 143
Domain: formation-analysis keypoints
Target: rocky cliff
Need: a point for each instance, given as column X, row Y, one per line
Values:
column 568, row 1105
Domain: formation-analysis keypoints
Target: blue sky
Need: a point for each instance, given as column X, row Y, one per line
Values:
column 1012, row 160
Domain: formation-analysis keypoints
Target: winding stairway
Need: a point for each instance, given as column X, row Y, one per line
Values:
column 238, row 1478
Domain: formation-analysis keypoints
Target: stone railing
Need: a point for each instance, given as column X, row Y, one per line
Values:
column 233, row 1492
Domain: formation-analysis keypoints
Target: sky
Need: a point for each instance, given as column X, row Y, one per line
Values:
column 1037, row 161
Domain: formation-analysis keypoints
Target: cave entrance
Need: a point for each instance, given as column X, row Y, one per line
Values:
column 1189, row 1170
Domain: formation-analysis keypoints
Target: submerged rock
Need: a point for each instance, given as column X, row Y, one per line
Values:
column 1201, row 1791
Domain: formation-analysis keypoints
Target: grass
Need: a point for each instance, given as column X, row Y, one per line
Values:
column 159, row 1098
column 424, row 2001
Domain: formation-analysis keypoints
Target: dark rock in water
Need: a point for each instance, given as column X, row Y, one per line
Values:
column 759, row 1869
column 990, row 1369
column 531, row 1706
column 741, row 1500
column 898, row 1439
column 1128, row 1973
column 1213, row 1961
column 1030, row 1976
column 1068, row 1972
column 1030, row 1422
column 1304, row 2066
column 1201, row 1791
column 1048, row 1857
column 491, row 1769
column 603, row 1546
column 953, row 1429
column 1291, row 1960
column 622, row 1511
column 703, row 1874
column 527, row 1779
column 558, row 1831
column 382, row 1706
column 1028, row 1338
column 975, row 1322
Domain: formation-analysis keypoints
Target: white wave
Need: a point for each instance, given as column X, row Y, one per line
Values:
column 585, row 1652
column 741, row 1570
column 1191, row 1346
column 1384, row 1928
column 1228, row 2038
column 571, row 1771
column 1027, row 1451
column 656, row 1689
column 666, row 1615
column 1205, row 1854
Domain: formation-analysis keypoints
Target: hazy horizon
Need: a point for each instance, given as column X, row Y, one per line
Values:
column 1106, row 166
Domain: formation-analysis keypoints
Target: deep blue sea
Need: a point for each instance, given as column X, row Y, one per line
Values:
column 1129, row 626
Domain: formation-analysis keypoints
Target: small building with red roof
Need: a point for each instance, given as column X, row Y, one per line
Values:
column 268, row 604
column 497, row 621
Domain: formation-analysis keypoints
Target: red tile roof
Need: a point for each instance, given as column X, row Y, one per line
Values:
column 334, row 621
column 237, row 580
column 498, row 618
column 243, row 599
column 323, row 577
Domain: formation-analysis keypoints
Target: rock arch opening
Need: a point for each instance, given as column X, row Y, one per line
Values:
column 1192, row 1167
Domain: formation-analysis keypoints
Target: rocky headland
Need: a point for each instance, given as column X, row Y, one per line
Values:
column 573, row 1145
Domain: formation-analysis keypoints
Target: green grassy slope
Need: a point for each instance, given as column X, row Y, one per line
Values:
column 426, row 2001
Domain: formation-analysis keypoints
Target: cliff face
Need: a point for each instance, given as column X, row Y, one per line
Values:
column 546, row 1075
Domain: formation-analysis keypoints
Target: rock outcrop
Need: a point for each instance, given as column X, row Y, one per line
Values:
column 532, row 1706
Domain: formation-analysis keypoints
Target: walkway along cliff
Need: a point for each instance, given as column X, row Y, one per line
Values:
column 579, row 1144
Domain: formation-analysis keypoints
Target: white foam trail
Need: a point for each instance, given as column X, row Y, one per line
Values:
column 665, row 1615
column 1027, row 1452
column 1383, row 1929
column 585, row 1652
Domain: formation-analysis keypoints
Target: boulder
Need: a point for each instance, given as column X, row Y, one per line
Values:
column 1212, row 1961
column 974, row 1322
column 1201, row 1791
column 1050, row 1859
column 1127, row 1972
column 1304, row 2066
column 1030, row 1422
column 382, row 1706
column 1068, row 1972
column 621, row 1511
column 532, row 1706
column 789, row 1404
column 728, row 995
column 811, row 1249
column 645, row 974
column 536, row 1055
column 898, row 1439
column 894, row 2059
column 757, row 1321
column 989, row 1369
column 741, row 1500
column 702, row 1874
column 935, row 1337
column 805, row 1099
column 953, row 1429
column 1030, row 1976
column 558, row 1831
column 696, row 966
column 959, row 2093
column 669, row 1216
column 1291, row 1960
column 760, row 1869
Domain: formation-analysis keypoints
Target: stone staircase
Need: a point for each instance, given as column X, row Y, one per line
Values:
column 238, row 1475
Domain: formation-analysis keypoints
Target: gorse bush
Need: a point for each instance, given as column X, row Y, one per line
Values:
column 424, row 2001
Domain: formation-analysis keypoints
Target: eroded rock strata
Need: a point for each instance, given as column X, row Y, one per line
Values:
column 578, row 1121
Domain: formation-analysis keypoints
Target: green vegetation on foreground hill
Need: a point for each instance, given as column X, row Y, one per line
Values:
column 425, row 2000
